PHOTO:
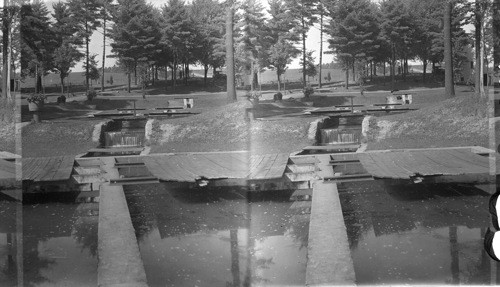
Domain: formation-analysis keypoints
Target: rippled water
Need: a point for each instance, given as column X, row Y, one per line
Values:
column 417, row 234
column 8, row 243
column 60, row 244
column 218, row 238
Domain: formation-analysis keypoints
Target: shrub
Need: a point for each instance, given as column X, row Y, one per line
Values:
column 308, row 91
column 36, row 98
column 91, row 94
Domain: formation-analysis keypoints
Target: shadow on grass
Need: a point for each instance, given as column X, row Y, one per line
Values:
column 326, row 101
column 53, row 111
column 263, row 110
column 381, row 83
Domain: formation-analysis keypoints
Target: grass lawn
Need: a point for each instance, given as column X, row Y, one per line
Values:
column 460, row 121
column 224, row 127
column 58, row 138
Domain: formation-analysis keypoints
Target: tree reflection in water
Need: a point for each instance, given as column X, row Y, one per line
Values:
column 44, row 222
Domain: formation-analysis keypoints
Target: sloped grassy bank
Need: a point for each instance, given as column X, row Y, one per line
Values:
column 7, row 125
column 59, row 138
column 226, row 128
column 460, row 121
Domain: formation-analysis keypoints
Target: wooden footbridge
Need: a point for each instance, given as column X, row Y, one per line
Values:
column 313, row 176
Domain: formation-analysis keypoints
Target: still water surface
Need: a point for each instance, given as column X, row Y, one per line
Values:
column 8, row 240
column 60, row 244
column 417, row 234
column 218, row 238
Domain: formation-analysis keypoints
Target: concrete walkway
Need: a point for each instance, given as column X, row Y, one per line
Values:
column 120, row 262
column 329, row 259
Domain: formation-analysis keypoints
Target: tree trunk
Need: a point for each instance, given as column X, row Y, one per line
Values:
column 448, row 57
column 393, row 66
column 186, row 73
column 353, row 71
column 103, row 48
column 371, row 71
column 6, row 52
column 230, row 82
column 424, row 64
column 135, row 73
column 62, row 85
column 279, row 79
column 320, row 47
column 304, row 80
column 87, row 55
column 153, row 74
column 166, row 78
column 205, row 75
column 496, row 37
column 129, row 80
column 384, row 73
column 347, row 74
column 174, row 74
column 479, row 49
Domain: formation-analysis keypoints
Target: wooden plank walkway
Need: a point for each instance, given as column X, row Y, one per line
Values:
column 407, row 164
column 7, row 170
column 192, row 167
column 47, row 168
column 329, row 260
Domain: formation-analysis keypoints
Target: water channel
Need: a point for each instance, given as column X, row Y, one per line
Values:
column 218, row 238
column 60, row 244
column 417, row 234
column 8, row 243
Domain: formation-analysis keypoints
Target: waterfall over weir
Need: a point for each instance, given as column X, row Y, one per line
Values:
column 124, row 133
column 131, row 138
column 336, row 136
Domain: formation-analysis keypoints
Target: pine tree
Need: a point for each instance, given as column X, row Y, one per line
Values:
column 10, row 14
column 136, row 35
column 177, row 33
column 448, row 58
column 86, row 13
column 280, row 35
column 37, row 42
column 65, row 29
column 305, row 14
column 426, row 22
column 208, row 19
column 496, row 38
column 354, row 31
column 395, row 30
column 252, row 39
column 105, row 15
column 230, row 84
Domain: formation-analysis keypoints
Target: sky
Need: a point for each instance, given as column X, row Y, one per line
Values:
column 312, row 42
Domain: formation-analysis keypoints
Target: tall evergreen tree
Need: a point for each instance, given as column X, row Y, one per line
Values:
column 395, row 30
column 37, row 42
column 448, row 58
column 480, row 7
column 230, row 84
column 177, row 33
column 305, row 13
column 353, row 31
column 252, row 38
column 65, row 30
column 280, row 35
column 135, row 33
column 10, row 14
column 105, row 14
column 86, row 13
column 426, row 17
column 496, row 38
column 208, row 19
